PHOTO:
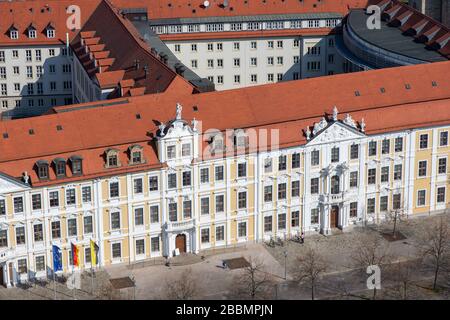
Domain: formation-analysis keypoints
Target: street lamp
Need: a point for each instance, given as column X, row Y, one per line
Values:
column 285, row 264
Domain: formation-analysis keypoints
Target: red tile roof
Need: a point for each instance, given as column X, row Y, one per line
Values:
column 287, row 106
column 165, row 9
column 40, row 13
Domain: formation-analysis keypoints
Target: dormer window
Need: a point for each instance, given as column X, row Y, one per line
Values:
column 32, row 32
column 218, row 142
column 42, row 169
column 60, row 167
column 240, row 139
column 13, row 33
column 76, row 165
column 112, row 158
column 50, row 31
column 136, row 156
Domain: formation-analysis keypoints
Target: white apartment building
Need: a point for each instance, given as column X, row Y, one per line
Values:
column 244, row 51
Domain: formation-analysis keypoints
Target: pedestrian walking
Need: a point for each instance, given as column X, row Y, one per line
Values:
column 302, row 238
column 224, row 264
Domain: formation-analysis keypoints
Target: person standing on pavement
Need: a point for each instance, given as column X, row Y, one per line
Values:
column 302, row 238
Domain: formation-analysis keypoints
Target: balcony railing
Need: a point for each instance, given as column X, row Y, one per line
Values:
column 180, row 225
column 332, row 198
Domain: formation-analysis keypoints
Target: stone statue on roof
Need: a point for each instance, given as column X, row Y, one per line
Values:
column 179, row 109
column 335, row 113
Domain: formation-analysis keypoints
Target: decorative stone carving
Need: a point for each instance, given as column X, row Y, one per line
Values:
column 179, row 109
column 26, row 177
column 161, row 127
column 363, row 125
column 348, row 120
column 194, row 125
column 335, row 113
column 308, row 133
column 320, row 126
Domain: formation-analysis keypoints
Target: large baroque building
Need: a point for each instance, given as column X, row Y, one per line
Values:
column 152, row 175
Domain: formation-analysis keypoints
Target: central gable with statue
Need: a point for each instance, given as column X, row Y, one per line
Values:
column 335, row 130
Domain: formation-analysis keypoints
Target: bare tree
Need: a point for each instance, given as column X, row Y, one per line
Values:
column 369, row 251
column 182, row 288
column 435, row 245
column 310, row 268
column 401, row 274
column 254, row 282
column 395, row 216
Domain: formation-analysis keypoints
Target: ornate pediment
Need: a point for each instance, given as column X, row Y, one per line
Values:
column 9, row 184
column 335, row 132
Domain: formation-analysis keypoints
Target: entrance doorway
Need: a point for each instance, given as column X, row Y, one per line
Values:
column 180, row 243
column 334, row 217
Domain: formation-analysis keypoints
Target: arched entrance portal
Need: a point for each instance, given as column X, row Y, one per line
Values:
column 180, row 243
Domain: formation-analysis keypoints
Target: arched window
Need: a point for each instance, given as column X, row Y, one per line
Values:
column 112, row 158
column 335, row 184
column 136, row 154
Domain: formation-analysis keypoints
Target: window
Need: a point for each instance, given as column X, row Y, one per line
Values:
column 442, row 166
column 50, row 33
column 295, row 189
column 440, row 195
column 70, row 197
column 422, row 168
column 279, row 60
column 385, row 146
column 236, row 45
column 154, row 214
column 3, row 89
column 18, row 205
column 173, row 212
column 113, row 189
column 186, row 150
column 236, row 27
column 136, row 157
column 315, row 158
column 20, row 235
column 398, row 144
column 72, row 227
column 204, row 205
column 116, row 250
column 219, row 79
column 177, row 48
column 282, row 163
column 153, row 183
column 423, row 143
column 296, row 59
column 138, row 186
column 218, row 173
column 268, row 165
column 210, row 63
column 205, row 235
column 242, row 229
column 54, row 198
column 314, row 185
column 335, row 185
column 56, row 230
column 28, row 55
column 186, row 178
column 372, row 148
column 172, row 180
column 204, row 175
column 237, row 62
column 385, row 174
column 398, row 172
column 86, row 194
column 282, row 191
column 87, row 225
column 268, row 224
column 371, row 176
column 220, row 64
column 314, row 216
column 421, row 197
column 220, row 233
column 371, row 205
column 140, row 246
column 253, row 45
column 155, row 244
column 353, row 209
column 295, row 219
column 353, row 179
column 214, row 27
column 396, row 201
column 242, row 200
column 194, row 64
column 282, row 221
column 52, row 68
column 270, row 61
column 16, row 71
column 335, row 154
column 253, row 62
column 254, row 78
column 443, row 139
column 22, row 266
column 270, row 77
column 14, row 34
column 2, row 73
column 115, row 220
column 139, row 216
column 383, row 203
column 38, row 232
column 36, row 202
column 2, row 56
column 237, row 79
column 242, row 170
column 268, row 194
column 2, row 207
column 87, row 255
column 220, row 203
column 3, row 238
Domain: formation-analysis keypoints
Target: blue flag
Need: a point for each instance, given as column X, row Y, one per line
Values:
column 57, row 259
